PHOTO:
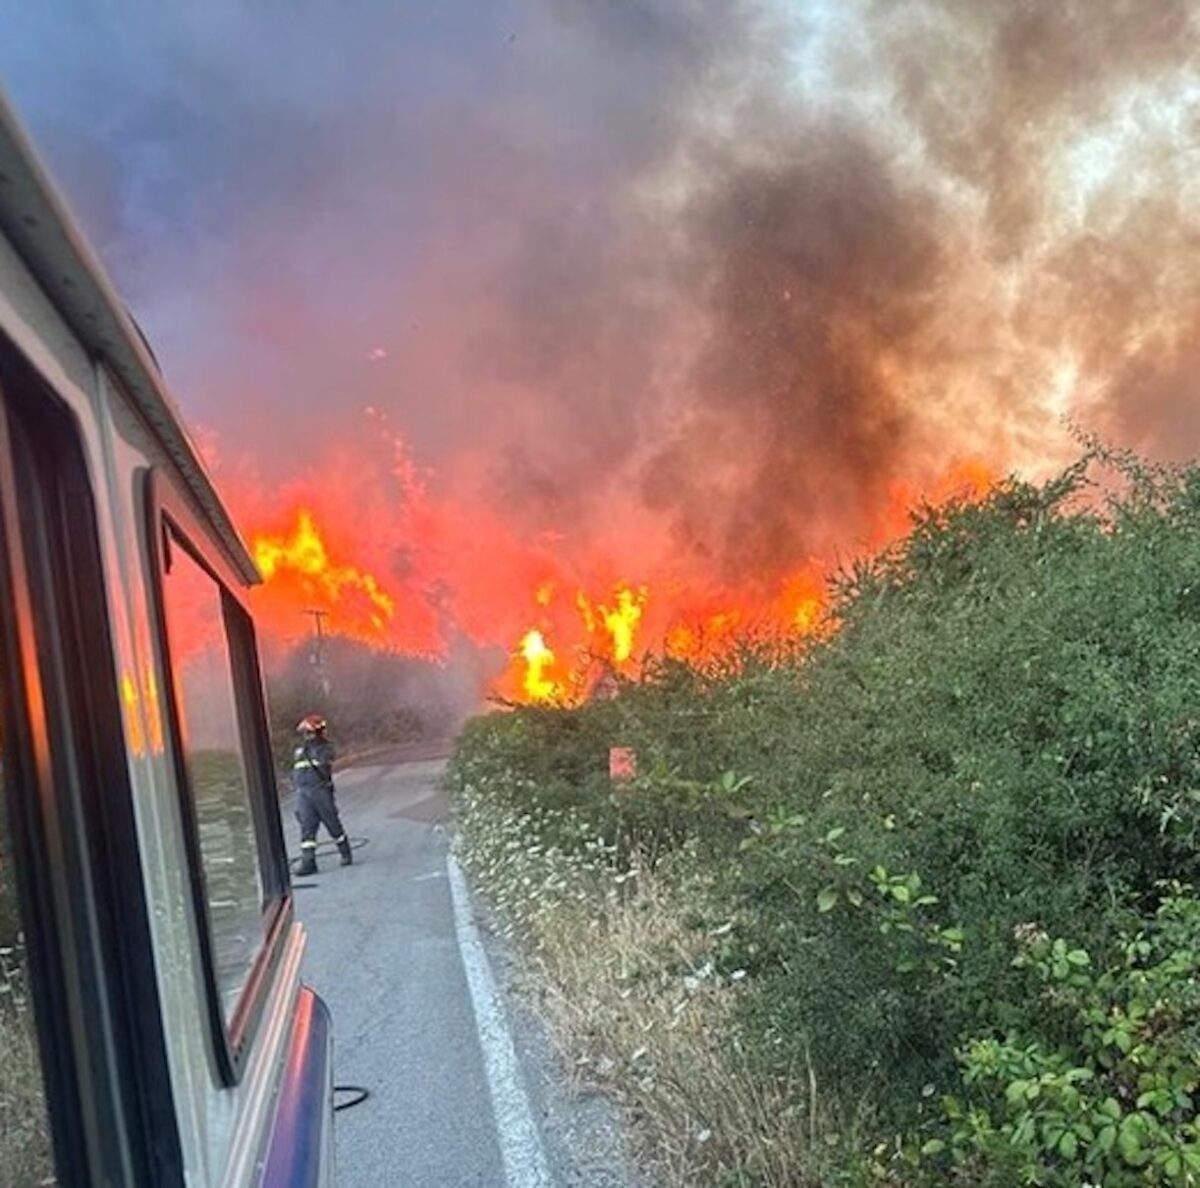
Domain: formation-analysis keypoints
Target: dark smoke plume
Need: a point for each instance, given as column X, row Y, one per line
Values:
column 967, row 223
column 687, row 283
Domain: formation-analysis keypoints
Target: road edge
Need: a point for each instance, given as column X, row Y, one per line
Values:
column 520, row 1140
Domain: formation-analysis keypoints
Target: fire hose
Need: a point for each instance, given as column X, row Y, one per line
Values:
column 358, row 1093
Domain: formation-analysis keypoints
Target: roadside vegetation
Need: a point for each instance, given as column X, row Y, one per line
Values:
column 911, row 903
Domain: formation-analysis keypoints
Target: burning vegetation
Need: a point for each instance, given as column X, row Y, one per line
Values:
column 572, row 635
column 667, row 350
column 912, row 905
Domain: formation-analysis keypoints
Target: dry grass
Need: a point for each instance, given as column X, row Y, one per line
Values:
column 631, row 989
column 637, row 1007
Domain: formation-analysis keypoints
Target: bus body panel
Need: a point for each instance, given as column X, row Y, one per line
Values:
column 300, row 1154
column 226, row 1132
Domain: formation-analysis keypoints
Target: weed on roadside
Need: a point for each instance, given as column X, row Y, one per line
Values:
column 630, row 983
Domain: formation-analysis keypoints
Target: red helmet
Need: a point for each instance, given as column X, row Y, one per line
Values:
column 311, row 724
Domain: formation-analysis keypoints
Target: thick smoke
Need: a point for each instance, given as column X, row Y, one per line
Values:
column 681, row 286
column 848, row 249
column 812, row 273
column 1073, row 128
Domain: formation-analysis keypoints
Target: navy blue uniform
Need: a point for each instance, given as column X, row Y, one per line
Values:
column 312, row 779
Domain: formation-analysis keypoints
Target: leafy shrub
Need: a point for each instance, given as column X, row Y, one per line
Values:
column 1002, row 732
column 1108, row 1095
column 1010, row 711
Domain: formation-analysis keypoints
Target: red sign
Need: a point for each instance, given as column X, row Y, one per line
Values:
column 622, row 764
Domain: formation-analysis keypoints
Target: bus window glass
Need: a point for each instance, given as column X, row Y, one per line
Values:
column 24, row 1130
column 216, row 769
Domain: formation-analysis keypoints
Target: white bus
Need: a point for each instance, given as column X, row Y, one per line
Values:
column 153, row 1024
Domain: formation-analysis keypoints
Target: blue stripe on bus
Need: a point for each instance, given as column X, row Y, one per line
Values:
column 304, row 1109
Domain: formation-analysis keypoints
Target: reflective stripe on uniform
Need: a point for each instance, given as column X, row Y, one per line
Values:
column 301, row 760
column 308, row 845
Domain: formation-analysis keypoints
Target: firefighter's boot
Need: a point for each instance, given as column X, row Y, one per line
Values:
column 308, row 861
column 343, row 845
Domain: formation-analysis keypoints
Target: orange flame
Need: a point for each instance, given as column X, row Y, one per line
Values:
column 539, row 659
column 803, row 601
column 457, row 567
column 303, row 557
column 691, row 627
column 613, row 629
column 622, row 621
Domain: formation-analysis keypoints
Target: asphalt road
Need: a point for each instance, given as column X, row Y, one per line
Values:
column 463, row 1084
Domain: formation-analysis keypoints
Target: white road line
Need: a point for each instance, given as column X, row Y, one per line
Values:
column 520, row 1142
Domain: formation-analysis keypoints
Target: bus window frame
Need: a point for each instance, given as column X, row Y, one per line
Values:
column 76, row 850
column 169, row 518
column 23, row 729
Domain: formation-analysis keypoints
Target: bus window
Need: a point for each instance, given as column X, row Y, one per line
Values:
column 24, row 1130
column 216, row 769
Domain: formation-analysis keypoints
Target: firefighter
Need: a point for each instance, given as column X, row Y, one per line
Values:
column 312, row 779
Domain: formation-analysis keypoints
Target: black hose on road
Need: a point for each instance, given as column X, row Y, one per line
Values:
column 330, row 847
column 360, row 1095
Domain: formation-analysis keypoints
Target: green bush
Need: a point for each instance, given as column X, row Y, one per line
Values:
column 1010, row 709
column 1000, row 732
column 1110, row 1093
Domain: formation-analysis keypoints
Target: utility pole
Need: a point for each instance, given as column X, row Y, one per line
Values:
column 318, row 649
